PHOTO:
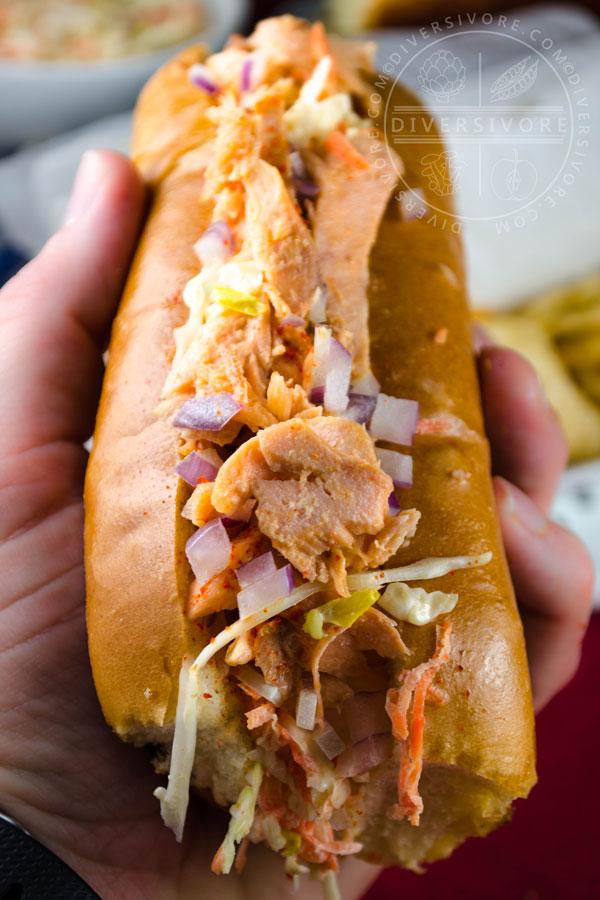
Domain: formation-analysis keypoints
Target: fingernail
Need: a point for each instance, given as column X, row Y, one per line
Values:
column 90, row 175
column 520, row 507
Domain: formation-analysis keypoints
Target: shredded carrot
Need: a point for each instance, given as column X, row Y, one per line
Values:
column 242, row 854
column 417, row 682
column 433, row 426
column 259, row 715
column 339, row 144
column 318, row 41
column 441, row 336
column 218, row 862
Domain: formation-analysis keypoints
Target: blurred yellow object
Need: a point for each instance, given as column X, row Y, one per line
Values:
column 559, row 333
column 350, row 16
column 571, row 317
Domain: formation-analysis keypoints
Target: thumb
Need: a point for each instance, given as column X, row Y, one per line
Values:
column 553, row 578
column 55, row 313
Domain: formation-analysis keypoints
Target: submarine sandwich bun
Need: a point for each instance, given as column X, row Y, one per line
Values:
column 297, row 592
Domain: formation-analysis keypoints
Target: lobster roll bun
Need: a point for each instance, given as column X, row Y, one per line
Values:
column 296, row 587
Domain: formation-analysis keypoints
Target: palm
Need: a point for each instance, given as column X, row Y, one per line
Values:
column 89, row 792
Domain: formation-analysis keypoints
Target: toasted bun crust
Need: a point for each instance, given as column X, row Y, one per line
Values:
column 479, row 746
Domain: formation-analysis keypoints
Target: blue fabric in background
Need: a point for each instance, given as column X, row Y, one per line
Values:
column 11, row 261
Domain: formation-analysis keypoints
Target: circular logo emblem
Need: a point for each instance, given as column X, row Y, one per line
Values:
column 508, row 104
column 442, row 75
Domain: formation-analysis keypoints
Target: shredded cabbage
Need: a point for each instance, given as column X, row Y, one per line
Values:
column 329, row 886
column 174, row 798
column 308, row 120
column 238, row 302
column 343, row 611
column 434, row 567
column 415, row 605
column 273, row 834
column 242, row 816
column 244, row 275
column 241, row 626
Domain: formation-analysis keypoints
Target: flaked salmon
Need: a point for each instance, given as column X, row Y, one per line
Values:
column 280, row 239
column 345, row 221
column 320, row 490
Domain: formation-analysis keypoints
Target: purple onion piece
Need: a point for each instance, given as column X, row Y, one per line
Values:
column 360, row 408
column 256, row 569
column 265, row 591
column 210, row 413
column 201, row 77
column 246, row 75
column 208, row 550
column 329, row 741
column 305, row 188
column 195, row 469
column 293, row 321
column 393, row 505
column 317, row 395
column 337, row 380
column 216, row 244
column 394, row 420
column 398, row 466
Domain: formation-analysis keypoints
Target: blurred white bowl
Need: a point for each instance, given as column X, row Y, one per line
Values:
column 41, row 99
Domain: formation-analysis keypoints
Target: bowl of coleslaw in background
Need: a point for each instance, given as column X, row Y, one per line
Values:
column 67, row 62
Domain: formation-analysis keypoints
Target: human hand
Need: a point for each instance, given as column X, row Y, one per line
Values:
column 63, row 775
column 551, row 570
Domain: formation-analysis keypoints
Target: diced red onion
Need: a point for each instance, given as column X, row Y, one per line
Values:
column 306, row 709
column 393, row 505
column 367, row 384
column 215, row 245
column 203, row 78
column 256, row 569
column 242, row 517
column 337, row 381
column 364, row 756
column 317, row 312
column 303, row 183
column 297, row 164
column 365, row 715
column 255, row 680
column 397, row 465
column 266, row 591
column 195, row 468
column 332, row 370
column 208, row 550
column 413, row 204
column 246, row 74
column 329, row 741
column 210, row 413
column 394, row 420
column 360, row 408
column 293, row 321
column 321, row 356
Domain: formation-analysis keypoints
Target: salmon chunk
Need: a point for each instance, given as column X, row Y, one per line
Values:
column 281, row 241
column 322, row 497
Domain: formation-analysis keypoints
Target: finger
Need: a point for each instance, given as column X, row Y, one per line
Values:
column 528, row 445
column 55, row 313
column 553, row 578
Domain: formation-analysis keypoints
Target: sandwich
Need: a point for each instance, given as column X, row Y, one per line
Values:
column 296, row 589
